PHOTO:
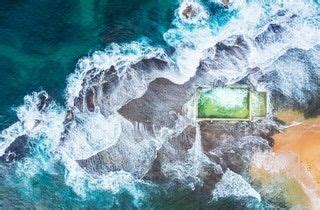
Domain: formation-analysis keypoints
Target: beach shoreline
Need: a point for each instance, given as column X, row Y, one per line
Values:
column 292, row 163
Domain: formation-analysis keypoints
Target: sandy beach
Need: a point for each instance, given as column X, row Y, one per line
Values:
column 293, row 165
column 302, row 139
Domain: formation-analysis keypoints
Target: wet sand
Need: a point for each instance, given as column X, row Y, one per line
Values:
column 290, row 175
column 302, row 139
column 283, row 180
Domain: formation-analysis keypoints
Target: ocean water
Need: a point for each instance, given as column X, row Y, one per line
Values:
column 41, row 41
column 67, row 143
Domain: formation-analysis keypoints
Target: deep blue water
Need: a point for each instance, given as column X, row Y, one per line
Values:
column 41, row 41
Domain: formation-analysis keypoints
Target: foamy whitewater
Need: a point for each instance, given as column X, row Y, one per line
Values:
column 102, row 142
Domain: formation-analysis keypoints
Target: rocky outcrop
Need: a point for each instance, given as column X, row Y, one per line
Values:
column 158, row 136
column 189, row 12
column 108, row 90
column 273, row 33
column 295, row 85
column 160, row 105
column 224, row 63
column 20, row 146
column 44, row 101
column 225, row 2
column 17, row 150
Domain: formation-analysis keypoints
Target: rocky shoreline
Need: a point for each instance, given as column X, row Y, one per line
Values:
column 150, row 124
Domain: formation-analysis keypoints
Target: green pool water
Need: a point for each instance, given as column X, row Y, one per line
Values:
column 259, row 104
column 224, row 103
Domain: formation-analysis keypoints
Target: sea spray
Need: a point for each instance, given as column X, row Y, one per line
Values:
column 119, row 56
column 233, row 184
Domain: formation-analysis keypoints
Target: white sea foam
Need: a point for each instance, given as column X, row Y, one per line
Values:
column 190, row 38
column 9, row 135
column 229, row 97
column 92, row 133
column 82, row 182
column 45, row 129
column 233, row 185
column 186, row 166
column 33, row 122
column 121, row 56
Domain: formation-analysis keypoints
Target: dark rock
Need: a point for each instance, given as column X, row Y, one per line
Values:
column 313, row 106
column 226, row 2
column 155, row 173
column 213, row 133
column 268, row 138
column 150, row 64
column 176, row 150
column 17, row 150
column 288, row 91
column 110, row 81
column 189, row 12
column 78, row 101
column 228, row 55
column 104, row 81
column 275, row 28
column 159, row 105
column 69, row 116
column 95, row 78
column 231, row 144
column 273, row 33
column 90, row 100
column 44, row 101
column 277, row 120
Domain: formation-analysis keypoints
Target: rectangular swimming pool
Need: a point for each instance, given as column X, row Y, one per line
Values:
column 230, row 103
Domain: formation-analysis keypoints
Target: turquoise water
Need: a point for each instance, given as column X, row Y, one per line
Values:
column 41, row 41
column 40, row 44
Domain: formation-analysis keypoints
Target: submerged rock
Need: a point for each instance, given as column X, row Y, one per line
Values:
column 90, row 100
